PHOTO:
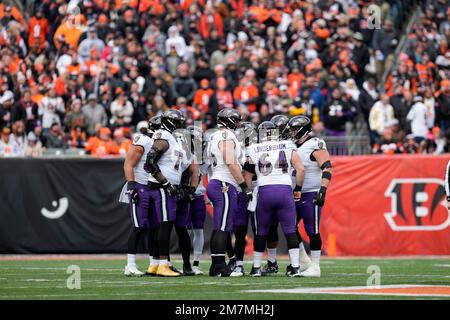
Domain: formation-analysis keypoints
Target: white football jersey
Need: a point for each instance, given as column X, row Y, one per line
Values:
column 313, row 173
column 174, row 161
column 220, row 170
column 272, row 160
column 203, row 170
column 140, row 175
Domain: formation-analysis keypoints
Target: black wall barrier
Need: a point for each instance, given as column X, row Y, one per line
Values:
column 65, row 206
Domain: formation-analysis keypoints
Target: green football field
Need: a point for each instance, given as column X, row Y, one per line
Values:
column 103, row 279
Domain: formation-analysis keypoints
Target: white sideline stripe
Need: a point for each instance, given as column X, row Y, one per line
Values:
column 336, row 290
column 442, row 265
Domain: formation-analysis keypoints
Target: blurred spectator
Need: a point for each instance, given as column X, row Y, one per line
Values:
column 18, row 137
column 221, row 97
column 91, row 42
column 78, row 137
column 120, row 142
column 34, row 146
column 336, row 113
column 55, row 137
column 387, row 144
column 6, row 102
column 51, row 108
column 183, row 85
column 381, row 115
column 384, row 43
column 421, row 121
column 101, row 145
column 94, row 113
column 121, row 110
column 75, row 117
column 26, row 110
column 202, row 96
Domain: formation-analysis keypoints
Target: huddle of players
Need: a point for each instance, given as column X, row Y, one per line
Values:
column 279, row 176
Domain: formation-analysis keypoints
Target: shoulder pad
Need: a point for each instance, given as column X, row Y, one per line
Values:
column 141, row 140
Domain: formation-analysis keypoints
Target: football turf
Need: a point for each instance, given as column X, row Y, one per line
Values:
column 104, row 279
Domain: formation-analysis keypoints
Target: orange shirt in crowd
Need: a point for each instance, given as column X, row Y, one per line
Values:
column 246, row 93
column 15, row 13
column 123, row 147
column 204, row 26
column 37, row 28
column 99, row 147
column 424, row 71
column 201, row 99
column 295, row 81
column 70, row 31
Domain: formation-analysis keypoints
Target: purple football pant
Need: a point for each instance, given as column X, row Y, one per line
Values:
column 165, row 206
column 223, row 197
column 141, row 212
column 192, row 214
column 309, row 212
column 198, row 212
column 275, row 203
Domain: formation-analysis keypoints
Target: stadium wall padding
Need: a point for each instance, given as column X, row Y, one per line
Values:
column 376, row 205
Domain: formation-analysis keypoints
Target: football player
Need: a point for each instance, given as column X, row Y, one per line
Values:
column 271, row 160
column 165, row 162
column 138, row 194
column 247, row 133
column 281, row 122
column 224, row 153
column 189, row 183
column 316, row 160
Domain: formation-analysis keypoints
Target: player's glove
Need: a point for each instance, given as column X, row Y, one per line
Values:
column 319, row 199
column 189, row 193
column 132, row 191
column 248, row 193
column 171, row 190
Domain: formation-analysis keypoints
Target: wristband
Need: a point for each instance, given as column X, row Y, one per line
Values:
column 323, row 189
column 298, row 188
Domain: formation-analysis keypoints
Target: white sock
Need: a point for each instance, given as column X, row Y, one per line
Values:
column 150, row 260
column 163, row 261
column 315, row 256
column 272, row 254
column 303, row 255
column 131, row 259
column 240, row 263
column 154, row 262
column 198, row 241
column 257, row 256
column 169, row 262
column 294, row 257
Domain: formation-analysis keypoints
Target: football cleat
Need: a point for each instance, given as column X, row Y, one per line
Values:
column 312, row 272
column 187, row 271
column 288, row 270
column 305, row 262
column 232, row 263
column 219, row 270
column 165, row 271
column 271, row 268
column 256, row 272
column 294, row 272
column 238, row 272
column 151, row 271
column 132, row 271
column 197, row 270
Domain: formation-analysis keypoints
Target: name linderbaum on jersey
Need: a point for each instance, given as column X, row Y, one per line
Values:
column 270, row 160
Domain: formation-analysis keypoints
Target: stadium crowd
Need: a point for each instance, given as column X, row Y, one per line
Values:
column 86, row 74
